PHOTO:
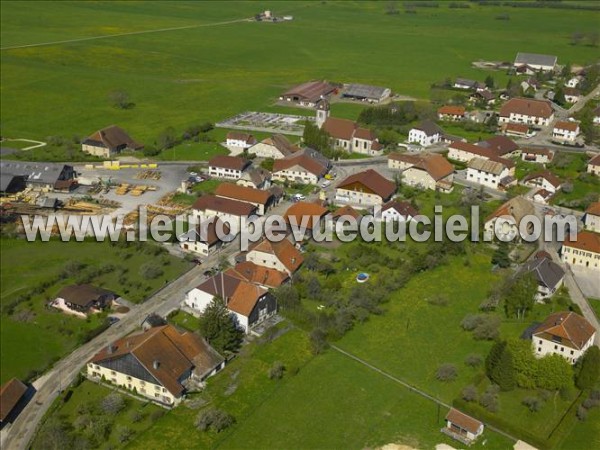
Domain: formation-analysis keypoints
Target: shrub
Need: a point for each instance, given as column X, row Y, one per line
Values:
column 276, row 370
column 446, row 372
column 473, row 360
column 469, row 393
column 113, row 404
column 582, row 413
column 532, row 403
column 215, row 419
column 438, row 300
column 150, row 271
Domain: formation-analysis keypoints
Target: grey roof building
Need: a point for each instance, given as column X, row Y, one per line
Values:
column 549, row 275
column 536, row 61
column 44, row 176
column 366, row 92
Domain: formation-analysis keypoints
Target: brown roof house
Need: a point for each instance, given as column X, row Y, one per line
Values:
column 591, row 219
column 282, row 256
column 427, row 171
column 537, row 155
column 527, row 111
column 239, row 140
column 157, row 364
column 504, row 222
column 108, row 142
column 309, row 93
column 461, row 427
column 563, row 333
column 396, row 211
column 264, row 277
column 451, row 113
column 255, row 177
column 83, row 299
column 593, row 165
column 501, row 146
column 12, row 399
column 230, row 167
column 583, row 251
column 544, row 179
column 276, row 147
column 262, row 200
column 367, row 188
column 206, row 238
column 231, row 212
column 307, row 166
column 250, row 304
column 305, row 216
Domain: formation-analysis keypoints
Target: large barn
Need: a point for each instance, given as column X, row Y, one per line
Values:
column 366, row 93
column 308, row 94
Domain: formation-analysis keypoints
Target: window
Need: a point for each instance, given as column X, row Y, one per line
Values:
column 540, row 341
column 128, row 378
column 112, row 372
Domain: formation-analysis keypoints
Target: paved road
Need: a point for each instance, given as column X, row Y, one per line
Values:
column 48, row 386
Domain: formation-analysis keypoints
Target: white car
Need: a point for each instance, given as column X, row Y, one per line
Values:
column 298, row 197
column 325, row 183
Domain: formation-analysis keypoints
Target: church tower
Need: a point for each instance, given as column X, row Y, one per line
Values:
column 322, row 112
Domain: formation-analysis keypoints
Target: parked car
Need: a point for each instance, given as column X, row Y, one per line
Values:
column 298, row 197
column 325, row 183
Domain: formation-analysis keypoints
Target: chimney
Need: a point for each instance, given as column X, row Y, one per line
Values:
column 293, row 260
column 110, row 349
column 156, row 364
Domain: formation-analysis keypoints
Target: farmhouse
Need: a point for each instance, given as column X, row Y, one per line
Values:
column 426, row 133
column 492, row 174
column 535, row 61
column 515, row 129
column 583, row 252
column 396, row 211
column 276, row 147
column 504, row 222
column 537, row 155
column 367, row 188
column 451, row 113
column 308, row 94
column 281, row 256
column 563, row 333
column 239, row 139
column 545, row 180
column 255, row 177
column 593, row 165
column 109, row 141
column 500, row 145
column 44, row 177
column 565, row 131
column 157, row 363
column 482, row 96
column 461, row 427
column 548, row 274
column 366, row 93
column 429, row 171
column 262, row 200
column 527, row 111
column 83, row 299
column 591, row 219
column 572, row 95
column 12, row 395
column 465, row 151
column 204, row 239
column 229, row 211
column 264, row 277
column 307, row 167
column 230, row 167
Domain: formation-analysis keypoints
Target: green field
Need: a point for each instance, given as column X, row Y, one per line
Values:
column 33, row 335
column 181, row 77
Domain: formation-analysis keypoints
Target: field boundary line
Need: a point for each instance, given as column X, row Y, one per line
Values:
column 410, row 386
column 131, row 33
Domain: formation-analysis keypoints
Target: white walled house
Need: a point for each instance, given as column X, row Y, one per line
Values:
column 583, row 252
column 203, row 240
column 281, row 256
column 156, row 363
column 565, row 131
column 527, row 111
column 430, row 171
column 591, row 219
column 307, row 167
column 228, row 167
column 366, row 188
column 396, row 211
column 276, row 147
column 537, row 155
column 548, row 274
column 461, row 427
column 503, row 223
column 425, row 134
column 593, row 165
column 544, row 180
column 230, row 212
column 488, row 173
column 239, row 139
column 572, row 95
column 563, row 333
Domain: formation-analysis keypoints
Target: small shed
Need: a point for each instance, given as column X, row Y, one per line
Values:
column 461, row 427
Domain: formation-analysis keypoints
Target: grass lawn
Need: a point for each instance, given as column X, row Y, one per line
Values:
column 471, row 136
column 32, row 335
column 184, row 320
column 584, row 434
column 137, row 415
column 207, row 186
column 328, row 401
column 176, row 78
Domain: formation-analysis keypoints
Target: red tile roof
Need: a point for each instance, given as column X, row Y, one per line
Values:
column 372, row 181
column 310, row 91
column 112, row 137
column 527, row 107
column 585, row 240
column 435, row 165
column 595, row 161
column 452, row 110
column 311, row 165
column 339, row 128
column 594, row 209
column 463, row 421
column 403, row 208
column 243, row 193
column 228, row 162
column 245, row 298
column 223, row 205
column 284, row 250
column 10, row 393
column 566, row 125
column 499, row 144
column 165, row 353
column 572, row 329
column 299, row 210
column 546, row 174
column 517, row 127
column 253, row 273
